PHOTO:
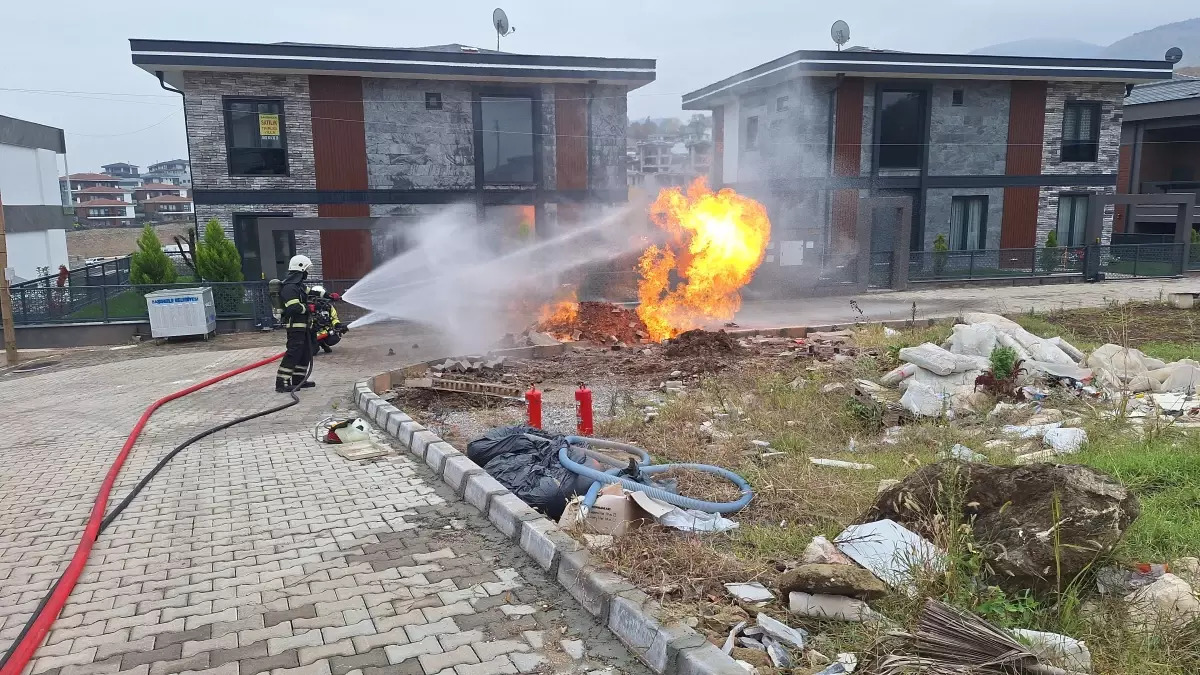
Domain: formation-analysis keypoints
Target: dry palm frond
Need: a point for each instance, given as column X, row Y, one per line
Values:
column 951, row 641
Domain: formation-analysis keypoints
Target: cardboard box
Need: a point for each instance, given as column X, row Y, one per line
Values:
column 616, row 512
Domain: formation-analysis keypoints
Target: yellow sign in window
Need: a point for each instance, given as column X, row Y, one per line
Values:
column 268, row 125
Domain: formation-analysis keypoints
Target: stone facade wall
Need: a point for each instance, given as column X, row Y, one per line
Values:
column 308, row 242
column 609, row 122
column 203, row 94
column 410, row 147
column 971, row 139
column 1111, row 96
column 1048, row 210
column 868, row 128
column 938, row 208
column 793, row 141
column 549, row 139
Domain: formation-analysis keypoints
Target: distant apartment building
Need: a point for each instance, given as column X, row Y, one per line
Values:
column 35, row 221
column 163, row 202
column 127, row 173
column 665, row 162
column 82, row 181
column 101, row 192
column 172, row 171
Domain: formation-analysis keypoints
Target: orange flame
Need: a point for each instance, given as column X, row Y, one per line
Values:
column 557, row 315
column 718, row 241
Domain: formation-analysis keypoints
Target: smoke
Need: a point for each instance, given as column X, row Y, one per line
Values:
column 475, row 282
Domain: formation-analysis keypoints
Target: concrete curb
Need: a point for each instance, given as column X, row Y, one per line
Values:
column 631, row 615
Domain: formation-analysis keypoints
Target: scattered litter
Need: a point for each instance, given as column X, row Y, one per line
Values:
column 1005, row 408
column 598, row 541
column 832, row 387
column 1061, row 650
column 930, row 357
column 962, row 452
column 839, row 464
column 778, row 630
column 1029, row 431
column 731, row 641
column 1168, row 601
column 120, row 347
column 891, row 435
column 890, row 551
column 573, row 648
column 890, row 332
column 1065, row 441
column 761, row 444
column 821, row 551
column 886, row 484
column 923, row 401
column 1121, row 581
column 846, row 664
column 779, row 656
column 893, row 377
column 834, row 607
column 752, row 592
column 1037, row 456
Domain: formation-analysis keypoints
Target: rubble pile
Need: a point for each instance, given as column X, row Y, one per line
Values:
column 702, row 343
column 599, row 322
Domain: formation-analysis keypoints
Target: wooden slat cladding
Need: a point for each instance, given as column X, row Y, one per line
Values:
column 340, row 156
column 570, row 142
column 1026, row 131
column 847, row 153
column 718, row 157
column 1018, row 226
column 1026, row 128
column 1124, row 169
column 847, row 135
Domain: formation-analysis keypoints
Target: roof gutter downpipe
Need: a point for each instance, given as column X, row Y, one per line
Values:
column 183, row 99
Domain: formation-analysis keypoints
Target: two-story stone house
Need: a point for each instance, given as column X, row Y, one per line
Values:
column 993, row 151
column 348, row 139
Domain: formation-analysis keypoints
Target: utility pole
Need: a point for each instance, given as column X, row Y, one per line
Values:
column 6, row 312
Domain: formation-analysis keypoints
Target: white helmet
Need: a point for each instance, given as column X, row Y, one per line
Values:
column 318, row 291
column 299, row 263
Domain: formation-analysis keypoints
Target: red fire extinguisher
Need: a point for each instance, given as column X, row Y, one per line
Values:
column 533, row 401
column 583, row 410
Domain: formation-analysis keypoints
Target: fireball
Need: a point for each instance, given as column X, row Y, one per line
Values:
column 717, row 241
column 559, row 315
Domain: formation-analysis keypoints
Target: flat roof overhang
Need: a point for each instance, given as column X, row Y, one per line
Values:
column 897, row 65
column 173, row 57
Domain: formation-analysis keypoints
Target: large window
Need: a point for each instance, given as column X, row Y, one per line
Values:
column 254, row 137
column 1072, row 219
column 968, row 223
column 507, row 139
column 1081, row 132
column 752, row 133
column 901, row 129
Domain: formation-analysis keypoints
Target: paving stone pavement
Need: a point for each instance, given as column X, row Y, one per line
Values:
column 258, row 550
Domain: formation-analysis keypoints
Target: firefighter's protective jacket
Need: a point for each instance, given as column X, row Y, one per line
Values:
column 294, row 297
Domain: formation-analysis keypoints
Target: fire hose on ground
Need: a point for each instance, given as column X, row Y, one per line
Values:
column 645, row 467
column 36, row 628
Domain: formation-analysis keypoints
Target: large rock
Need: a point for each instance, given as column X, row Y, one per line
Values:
column 1169, row 601
column 1013, row 512
column 850, row 580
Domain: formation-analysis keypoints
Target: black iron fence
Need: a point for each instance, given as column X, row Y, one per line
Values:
column 1118, row 261
column 127, row 302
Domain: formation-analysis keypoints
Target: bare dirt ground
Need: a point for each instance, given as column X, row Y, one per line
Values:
column 117, row 241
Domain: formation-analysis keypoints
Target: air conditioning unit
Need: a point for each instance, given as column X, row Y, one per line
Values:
column 176, row 312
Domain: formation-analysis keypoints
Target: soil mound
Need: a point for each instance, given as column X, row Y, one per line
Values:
column 702, row 343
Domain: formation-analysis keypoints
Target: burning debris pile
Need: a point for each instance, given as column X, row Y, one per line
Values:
column 599, row 322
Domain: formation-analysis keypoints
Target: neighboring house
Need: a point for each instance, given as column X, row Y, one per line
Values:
column 654, row 156
column 127, row 173
column 34, row 219
column 98, row 213
column 1160, row 153
column 994, row 151
column 152, row 190
column 83, row 181
column 173, row 171
column 667, row 162
column 343, row 139
column 101, row 192
column 168, row 208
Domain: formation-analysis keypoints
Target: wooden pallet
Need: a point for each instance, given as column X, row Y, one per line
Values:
column 465, row 387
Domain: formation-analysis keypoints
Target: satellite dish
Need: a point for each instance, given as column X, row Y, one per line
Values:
column 1174, row 55
column 840, row 33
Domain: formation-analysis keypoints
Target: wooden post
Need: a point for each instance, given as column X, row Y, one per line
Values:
column 6, row 310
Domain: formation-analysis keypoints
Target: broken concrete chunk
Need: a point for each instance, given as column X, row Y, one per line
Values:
column 793, row 637
column 963, row 453
column 779, row 656
column 1065, row 441
column 1169, row 601
column 832, row 387
column 827, row 579
column 821, row 551
column 846, row 664
column 751, row 643
column 730, row 641
column 839, row 464
column 750, row 592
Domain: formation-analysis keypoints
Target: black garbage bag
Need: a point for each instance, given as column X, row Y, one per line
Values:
column 525, row 460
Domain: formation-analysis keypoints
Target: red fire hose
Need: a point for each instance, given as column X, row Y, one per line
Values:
column 35, row 632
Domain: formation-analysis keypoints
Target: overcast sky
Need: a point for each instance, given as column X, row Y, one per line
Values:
column 81, row 45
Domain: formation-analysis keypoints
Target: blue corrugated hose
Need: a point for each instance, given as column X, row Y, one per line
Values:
column 609, row 477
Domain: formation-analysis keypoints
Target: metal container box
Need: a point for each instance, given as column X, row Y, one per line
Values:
column 177, row 312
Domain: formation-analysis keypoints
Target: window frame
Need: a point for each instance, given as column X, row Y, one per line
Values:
column 983, row 222
column 1074, row 198
column 535, row 98
column 781, row 103
column 752, row 138
column 227, row 115
column 1096, row 109
column 923, row 92
column 958, row 98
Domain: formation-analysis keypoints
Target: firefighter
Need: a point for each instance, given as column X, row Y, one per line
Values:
column 327, row 328
column 297, row 319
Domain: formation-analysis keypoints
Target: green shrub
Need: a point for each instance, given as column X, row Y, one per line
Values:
column 1004, row 362
column 940, row 254
column 1049, row 257
column 149, row 264
column 217, row 258
column 1196, row 236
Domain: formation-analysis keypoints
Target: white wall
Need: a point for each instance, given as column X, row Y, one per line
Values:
column 29, row 250
column 733, row 142
column 28, row 177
